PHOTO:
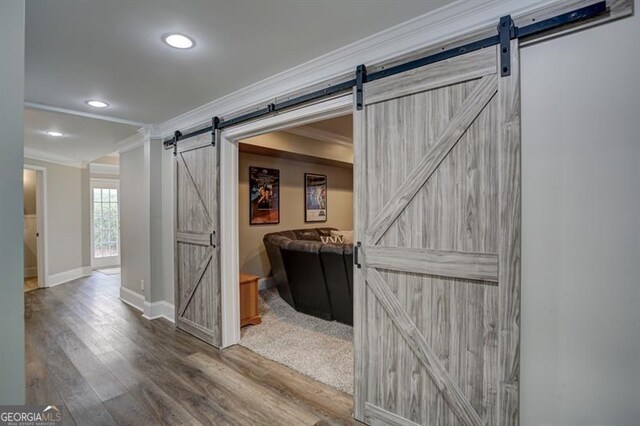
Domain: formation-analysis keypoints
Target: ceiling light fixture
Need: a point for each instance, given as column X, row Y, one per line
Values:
column 96, row 103
column 178, row 41
column 55, row 134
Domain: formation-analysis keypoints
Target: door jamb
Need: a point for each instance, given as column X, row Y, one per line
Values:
column 229, row 175
column 41, row 219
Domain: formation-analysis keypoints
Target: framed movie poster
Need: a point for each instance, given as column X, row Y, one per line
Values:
column 315, row 190
column 264, row 196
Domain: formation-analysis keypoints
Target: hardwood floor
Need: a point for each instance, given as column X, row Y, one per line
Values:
column 99, row 360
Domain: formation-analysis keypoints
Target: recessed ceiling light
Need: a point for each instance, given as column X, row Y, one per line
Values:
column 178, row 41
column 97, row 104
column 55, row 134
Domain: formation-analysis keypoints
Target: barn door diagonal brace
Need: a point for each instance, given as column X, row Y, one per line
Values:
column 506, row 32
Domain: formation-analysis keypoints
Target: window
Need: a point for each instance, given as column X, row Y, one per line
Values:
column 106, row 227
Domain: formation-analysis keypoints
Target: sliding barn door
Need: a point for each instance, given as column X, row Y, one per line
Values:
column 197, row 292
column 438, row 217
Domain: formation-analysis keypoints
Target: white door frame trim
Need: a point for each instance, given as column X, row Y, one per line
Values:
column 41, row 219
column 229, row 174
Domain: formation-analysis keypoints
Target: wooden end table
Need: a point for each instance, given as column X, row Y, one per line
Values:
column 249, row 314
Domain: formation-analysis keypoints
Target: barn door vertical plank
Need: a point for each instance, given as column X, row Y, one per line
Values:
column 509, row 243
column 359, row 289
column 215, row 240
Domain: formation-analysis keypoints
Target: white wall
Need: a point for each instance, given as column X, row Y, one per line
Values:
column 68, row 234
column 105, row 168
column 134, row 219
column 85, row 215
column 168, row 209
column 30, row 245
column 252, row 254
column 156, row 222
column 147, row 250
column 12, row 382
column 146, row 225
column 580, row 357
column 29, row 181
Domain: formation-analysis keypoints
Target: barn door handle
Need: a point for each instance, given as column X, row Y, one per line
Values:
column 356, row 255
column 211, row 238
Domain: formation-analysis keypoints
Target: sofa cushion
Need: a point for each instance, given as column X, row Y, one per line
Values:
column 277, row 240
column 306, row 246
column 332, row 248
column 307, row 234
column 287, row 234
column 311, row 276
column 273, row 244
column 335, row 274
column 306, row 278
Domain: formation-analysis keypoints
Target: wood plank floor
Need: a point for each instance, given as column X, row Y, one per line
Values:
column 104, row 364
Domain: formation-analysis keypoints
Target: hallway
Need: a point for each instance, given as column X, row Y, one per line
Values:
column 97, row 357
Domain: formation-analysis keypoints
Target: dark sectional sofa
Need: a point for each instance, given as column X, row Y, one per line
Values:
column 313, row 277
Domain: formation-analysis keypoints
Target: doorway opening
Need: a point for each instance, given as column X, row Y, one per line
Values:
column 105, row 224
column 30, row 231
column 286, row 305
column 34, row 210
column 295, row 248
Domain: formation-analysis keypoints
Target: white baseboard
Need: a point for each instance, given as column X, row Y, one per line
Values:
column 266, row 282
column 159, row 310
column 66, row 276
column 96, row 268
column 131, row 298
column 149, row 310
column 30, row 271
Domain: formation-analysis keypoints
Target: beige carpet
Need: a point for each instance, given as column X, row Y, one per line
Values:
column 320, row 349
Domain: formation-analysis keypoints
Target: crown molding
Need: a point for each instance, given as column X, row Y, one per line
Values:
column 51, row 108
column 321, row 135
column 418, row 33
column 135, row 141
column 150, row 131
column 35, row 154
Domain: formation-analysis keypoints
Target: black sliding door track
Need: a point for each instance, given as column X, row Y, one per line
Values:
column 506, row 31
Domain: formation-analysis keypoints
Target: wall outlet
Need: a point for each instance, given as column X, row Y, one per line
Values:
column 142, row 285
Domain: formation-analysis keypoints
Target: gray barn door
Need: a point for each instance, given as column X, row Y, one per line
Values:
column 197, row 291
column 437, row 298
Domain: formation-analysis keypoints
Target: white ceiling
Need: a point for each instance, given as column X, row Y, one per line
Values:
column 84, row 139
column 341, row 126
column 112, row 49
